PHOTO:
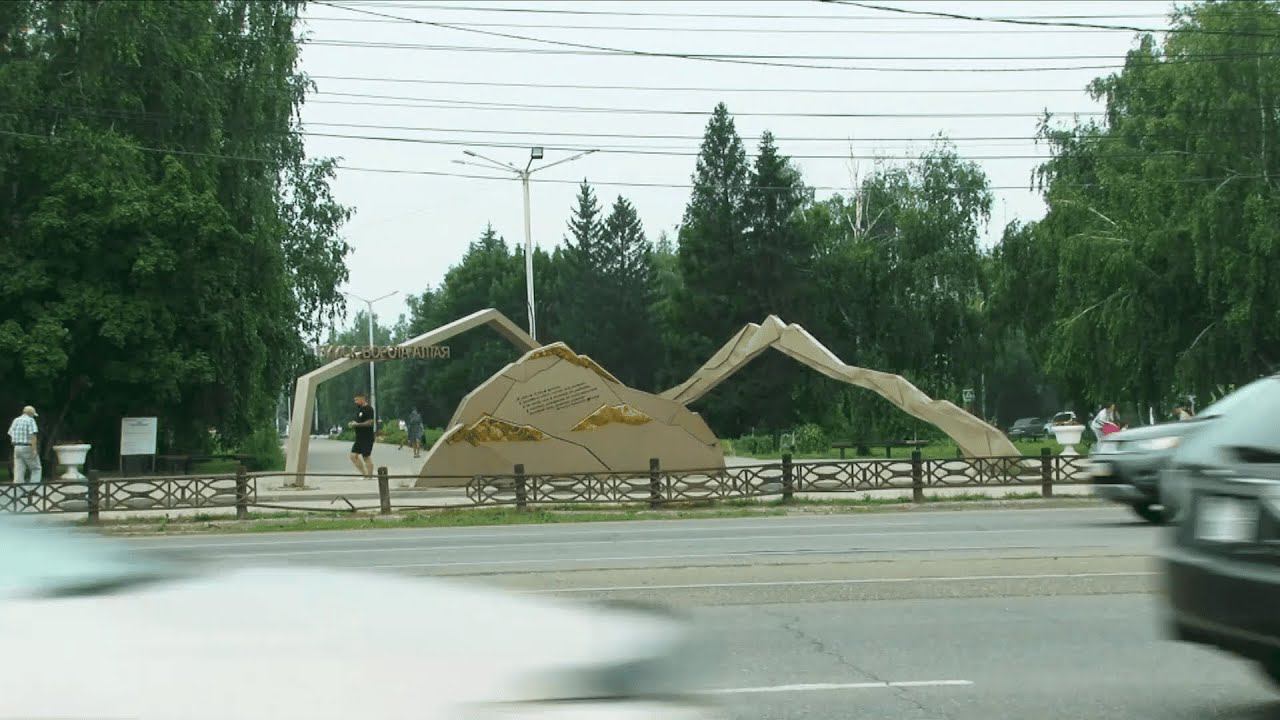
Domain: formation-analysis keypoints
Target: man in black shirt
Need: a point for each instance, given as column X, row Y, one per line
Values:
column 362, row 448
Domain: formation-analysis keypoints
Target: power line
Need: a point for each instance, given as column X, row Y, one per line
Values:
column 660, row 152
column 762, row 59
column 738, row 16
column 609, row 49
column 1043, row 22
column 559, row 181
column 540, row 135
column 677, row 88
column 537, row 107
column 731, row 30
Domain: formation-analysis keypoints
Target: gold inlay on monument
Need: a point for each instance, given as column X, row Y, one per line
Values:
column 609, row 414
column 564, row 353
column 489, row 429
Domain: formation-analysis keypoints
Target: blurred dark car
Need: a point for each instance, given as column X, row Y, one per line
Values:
column 1029, row 428
column 1125, row 467
column 1222, row 566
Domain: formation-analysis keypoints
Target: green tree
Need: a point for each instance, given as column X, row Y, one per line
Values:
column 627, row 337
column 170, row 245
column 1160, row 243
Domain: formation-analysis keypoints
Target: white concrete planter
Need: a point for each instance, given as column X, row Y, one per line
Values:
column 71, row 457
column 1067, row 436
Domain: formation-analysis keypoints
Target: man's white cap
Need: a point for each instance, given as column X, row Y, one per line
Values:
column 28, row 410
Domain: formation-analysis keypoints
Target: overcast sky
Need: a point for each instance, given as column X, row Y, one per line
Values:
column 410, row 227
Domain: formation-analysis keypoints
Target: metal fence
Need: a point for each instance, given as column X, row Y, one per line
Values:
column 658, row 487
column 655, row 487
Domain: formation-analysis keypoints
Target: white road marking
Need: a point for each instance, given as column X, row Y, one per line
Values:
column 698, row 556
column 850, row 581
column 627, row 527
column 621, row 541
column 395, row 536
column 810, row 687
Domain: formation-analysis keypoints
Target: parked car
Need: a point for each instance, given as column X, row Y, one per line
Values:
column 1066, row 417
column 1222, row 565
column 146, row 641
column 1028, row 428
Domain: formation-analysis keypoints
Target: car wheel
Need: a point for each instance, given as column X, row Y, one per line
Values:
column 1150, row 513
column 1271, row 668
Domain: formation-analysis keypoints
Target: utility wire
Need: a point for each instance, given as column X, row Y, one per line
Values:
column 629, row 51
column 679, row 88
column 487, row 105
column 559, row 181
column 776, row 60
column 1045, row 23
column 740, row 16
column 732, row 30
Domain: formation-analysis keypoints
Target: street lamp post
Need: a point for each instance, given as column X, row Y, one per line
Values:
column 523, row 175
column 373, row 388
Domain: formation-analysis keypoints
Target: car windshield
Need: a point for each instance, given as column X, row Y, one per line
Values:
column 1240, row 397
column 43, row 560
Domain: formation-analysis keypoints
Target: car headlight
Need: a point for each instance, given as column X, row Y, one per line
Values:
column 1160, row 443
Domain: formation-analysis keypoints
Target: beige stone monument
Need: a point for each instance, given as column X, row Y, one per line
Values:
column 555, row 411
column 974, row 437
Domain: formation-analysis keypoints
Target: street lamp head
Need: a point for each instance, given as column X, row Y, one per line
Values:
column 535, row 153
column 468, row 152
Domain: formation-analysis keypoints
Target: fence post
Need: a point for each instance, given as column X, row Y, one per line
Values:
column 92, row 496
column 242, row 493
column 788, row 479
column 917, row 477
column 655, row 484
column 1046, row 472
column 384, row 491
column 522, row 490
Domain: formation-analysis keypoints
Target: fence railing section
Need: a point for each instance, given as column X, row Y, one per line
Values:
column 93, row 495
column 656, row 486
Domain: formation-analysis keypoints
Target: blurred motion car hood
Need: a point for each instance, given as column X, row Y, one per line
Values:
column 285, row 643
column 1147, row 432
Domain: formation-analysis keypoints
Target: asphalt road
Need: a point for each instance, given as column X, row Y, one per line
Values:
column 1044, row 613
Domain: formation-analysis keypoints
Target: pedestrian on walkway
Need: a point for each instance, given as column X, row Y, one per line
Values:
column 362, row 448
column 26, row 447
column 1106, row 421
column 415, row 431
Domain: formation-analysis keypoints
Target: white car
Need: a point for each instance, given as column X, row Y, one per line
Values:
column 87, row 630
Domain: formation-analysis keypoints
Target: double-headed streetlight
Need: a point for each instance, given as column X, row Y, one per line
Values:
column 373, row 390
column 534, row 154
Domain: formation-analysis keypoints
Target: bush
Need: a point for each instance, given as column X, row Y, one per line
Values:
column 754, row 445
column 811, row 438
column 263, row 451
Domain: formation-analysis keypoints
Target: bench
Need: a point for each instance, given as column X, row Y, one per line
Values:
column 863, row 447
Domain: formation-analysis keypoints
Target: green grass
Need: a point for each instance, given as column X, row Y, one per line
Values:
column 285, row 521
column 933, row 451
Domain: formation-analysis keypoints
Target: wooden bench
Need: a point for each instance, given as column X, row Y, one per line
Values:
column 863, row 447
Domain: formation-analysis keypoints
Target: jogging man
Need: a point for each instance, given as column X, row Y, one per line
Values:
column 362, row 448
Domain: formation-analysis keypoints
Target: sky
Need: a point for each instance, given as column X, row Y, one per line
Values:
column 399, row 99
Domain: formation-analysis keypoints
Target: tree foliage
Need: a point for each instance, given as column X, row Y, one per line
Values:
column 168, row 245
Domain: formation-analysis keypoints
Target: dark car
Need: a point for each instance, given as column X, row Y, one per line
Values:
column 1028, row 428
column 1125, row 466
column 1222, row 566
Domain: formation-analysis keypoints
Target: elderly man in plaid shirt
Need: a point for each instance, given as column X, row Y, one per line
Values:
column 26, row 454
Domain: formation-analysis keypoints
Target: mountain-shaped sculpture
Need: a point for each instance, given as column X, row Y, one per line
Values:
column 555, row 411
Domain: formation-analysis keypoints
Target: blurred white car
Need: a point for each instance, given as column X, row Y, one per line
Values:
column 88, row 630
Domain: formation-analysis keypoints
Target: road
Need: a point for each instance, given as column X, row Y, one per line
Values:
column 1012, row 613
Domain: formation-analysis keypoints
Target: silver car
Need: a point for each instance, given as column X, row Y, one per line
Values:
column 89, row 630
